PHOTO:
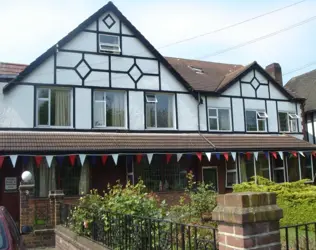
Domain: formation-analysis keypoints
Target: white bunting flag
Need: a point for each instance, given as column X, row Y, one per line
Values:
column 115, row 157
column 82, row 158
column 208, row 155
column 49, row 159
column 179, row 157
column 281, row 154
column 301, row 153
column 13, row 159
column 150, row 157
column 256, row 155
column 233, row 155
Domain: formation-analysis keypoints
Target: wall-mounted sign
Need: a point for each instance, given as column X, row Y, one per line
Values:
column 10, row 183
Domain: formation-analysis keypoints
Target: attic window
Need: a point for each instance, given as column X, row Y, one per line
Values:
column 197, row 70
column 109, row 44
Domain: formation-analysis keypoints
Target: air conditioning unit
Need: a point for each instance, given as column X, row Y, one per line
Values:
column 112, row 48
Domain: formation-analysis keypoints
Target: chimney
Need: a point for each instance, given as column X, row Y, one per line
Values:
column 274, row 69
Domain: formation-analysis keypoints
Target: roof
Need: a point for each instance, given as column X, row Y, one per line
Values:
column 304, row 85
column 43, row 142
column 10, row 70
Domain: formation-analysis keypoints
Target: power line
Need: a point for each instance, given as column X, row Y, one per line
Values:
column 302, row 67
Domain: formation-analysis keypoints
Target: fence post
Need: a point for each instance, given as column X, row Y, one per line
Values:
column 25, row 209
column 56, row 198
column 248, row 221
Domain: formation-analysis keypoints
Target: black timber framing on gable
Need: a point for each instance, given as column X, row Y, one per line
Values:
column 110, row 7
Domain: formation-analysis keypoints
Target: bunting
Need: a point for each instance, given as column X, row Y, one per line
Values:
column 266, row 154
column 294, row 153
column 150, row 157
column 38, row 160
column 301, row 153
column 233, row 155
column 274, row 155
column 1, row 161
column 93, row 160
column 72, row 159
column 226, row 156
column 25, row 160
column 49, row 159
column 248, row 155
column 280, row 154
column 104, row 159
column 218, row 156
column 179, row 156
column 82, row 158
column 208, row 155
column 168, row 157
column 13, row 159
column 139, row 158
column 199, row 155
column 115, row 158
column 60, row 159
column 256, row 155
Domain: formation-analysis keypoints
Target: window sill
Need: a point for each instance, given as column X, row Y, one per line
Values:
column 55, row 127
column 161, row 129
column 110, row 128
column 219, row 130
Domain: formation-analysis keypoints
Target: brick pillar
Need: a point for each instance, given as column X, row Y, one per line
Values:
column 25, row 208
column 56, row 198
column 248, row 221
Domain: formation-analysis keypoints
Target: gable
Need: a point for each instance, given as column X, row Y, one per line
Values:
column 76, row 59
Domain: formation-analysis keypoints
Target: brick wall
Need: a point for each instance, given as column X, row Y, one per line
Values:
column 40, row 238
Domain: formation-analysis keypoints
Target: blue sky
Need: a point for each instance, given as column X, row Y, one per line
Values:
column 28, row 28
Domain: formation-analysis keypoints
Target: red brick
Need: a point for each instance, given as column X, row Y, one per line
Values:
column 268, row 238
column 239, row 242
column 226, row 228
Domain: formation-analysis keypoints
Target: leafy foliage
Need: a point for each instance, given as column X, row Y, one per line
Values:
column 297, row 199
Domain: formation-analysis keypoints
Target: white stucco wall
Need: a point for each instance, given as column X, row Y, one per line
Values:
column 84, row 41
column 136, row 110
column 114, row 29
column 169, row 82
column 238, row 114
column 233, row 90
column 275, row 93
column 218, row 102
column 83, row 108
column 133, row 47
column 202, row 108
column 43, row 74
column 187, row 112
column 272, row 113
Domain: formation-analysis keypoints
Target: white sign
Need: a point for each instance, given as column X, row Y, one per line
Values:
column 10, row 183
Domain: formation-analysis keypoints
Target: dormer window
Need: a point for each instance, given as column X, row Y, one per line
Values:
column 197, row 70
column 288, row 122
column 109, row 44
column 256, row 121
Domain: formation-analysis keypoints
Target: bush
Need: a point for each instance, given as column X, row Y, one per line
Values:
column 297, row 199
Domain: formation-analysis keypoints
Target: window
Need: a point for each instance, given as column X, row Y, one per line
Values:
column 263, row 166
column 109, row 44
column 231, row 172
column 109, row 109
column 219, row 119
column 288, row 122
column 293, row 170
column 159, row 110
column 306, row 166
column 278, row 169
column 54, row 107
column 247, row 167
column 256, row 120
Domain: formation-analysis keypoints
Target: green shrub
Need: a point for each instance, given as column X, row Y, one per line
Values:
column 297, row 199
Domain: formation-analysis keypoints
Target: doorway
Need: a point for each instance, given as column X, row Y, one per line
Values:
column 209, row 176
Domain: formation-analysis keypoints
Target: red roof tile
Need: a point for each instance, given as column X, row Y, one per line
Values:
column 11, row 68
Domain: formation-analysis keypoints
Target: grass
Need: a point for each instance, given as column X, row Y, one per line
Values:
column 299, row 238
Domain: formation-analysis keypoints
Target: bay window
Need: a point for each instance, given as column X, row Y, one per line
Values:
column 293, row 168
column 159, row 110
column 307, row 166
column 219, row 119
column 288, row 122
column 263, row 166
column 109, row 109
column 54, row 107
column 278, row 169
column 247, row 167
column 231, row 172
column 256, row 120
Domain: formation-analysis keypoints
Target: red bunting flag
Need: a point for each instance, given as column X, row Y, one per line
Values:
column 274, row 154
column 199, row 155
column 314, row 153
column 103, row 159
column 38, row 160
column 139, row 158
column 1, row 161
column 248, row 155
column 168, row 157
column 72, row 159
column 226, row 156
column 294, row 154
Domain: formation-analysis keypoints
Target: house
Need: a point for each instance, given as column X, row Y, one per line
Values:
column 103, row 104
column 305, row 86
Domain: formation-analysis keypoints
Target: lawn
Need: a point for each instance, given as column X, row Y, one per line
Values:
column 298, row 238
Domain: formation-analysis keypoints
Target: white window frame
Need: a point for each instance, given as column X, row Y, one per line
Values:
column 291, row 117
column 155, row 101
column 259, row 117
column 49, row 107
column 104, row 103
column 116, row 47
column 281, row 168
column 128, row 174
column 231, row 171
column 217, row 119
column 312, row 167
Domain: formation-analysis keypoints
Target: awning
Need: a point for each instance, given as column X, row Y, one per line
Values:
column 42, row 142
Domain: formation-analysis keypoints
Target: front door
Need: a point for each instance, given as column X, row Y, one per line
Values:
column 210, row 176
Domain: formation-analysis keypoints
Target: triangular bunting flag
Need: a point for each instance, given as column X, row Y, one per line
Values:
column 82, row 158
column 189, row 156
column 139, row 158
column 49, row 159
column 104, row 159
column 248, row 155
column 115, row 158
column 256, row 155
column 38, row 160
column 294, row 154
column 60, row 160
column 25, row 160
column 72, row 159
column 93, row 160
column 280, row 154
column 13, row 159
column 274, row 154
column 168, row 157
column 208, row 155
column 233, row 155
column 218, row 156
column 266, row 154
column 301, row 153
column 199, row 155
column 226, row 156
column 179, row 156
column 1, row 161
column 150, row 157
column 314, row 153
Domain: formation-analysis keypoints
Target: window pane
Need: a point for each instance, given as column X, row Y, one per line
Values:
column 278, row 176
column 99, row 95
column 283, row 120
column 115, row 106
column 231, row 179
column 213, row 123
column 306, row 167
column 99, row 114
column 293, row 123
column 164, row 111
column 109, row 39
column 60, row 107
column 262, row 166
column 251, row 120
column 43, row 93
column 150, row 115
column 230, row 164
column 42, row 112
column 212, row 112
column 210, row 177
column 224, row 120
column 262, row 125
column 293, row 168
column 246, row 168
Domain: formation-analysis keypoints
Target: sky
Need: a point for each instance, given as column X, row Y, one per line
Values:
column 29, row 28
